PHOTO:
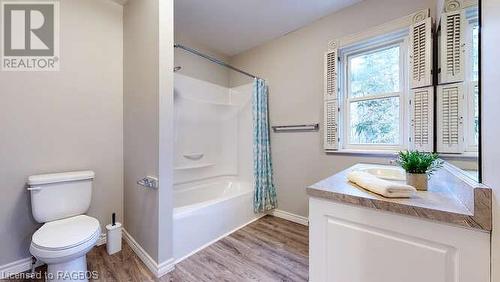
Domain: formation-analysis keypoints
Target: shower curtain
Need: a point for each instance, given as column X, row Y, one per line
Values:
column 265, row 192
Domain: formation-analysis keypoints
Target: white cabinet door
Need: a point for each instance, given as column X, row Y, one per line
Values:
column 354, row 244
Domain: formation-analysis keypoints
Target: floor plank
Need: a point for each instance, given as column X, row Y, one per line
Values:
column 269, row 249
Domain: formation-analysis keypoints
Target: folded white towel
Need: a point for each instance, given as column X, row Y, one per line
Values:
column 379, row 186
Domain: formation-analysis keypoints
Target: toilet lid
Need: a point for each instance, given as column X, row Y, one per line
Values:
column 66, row 233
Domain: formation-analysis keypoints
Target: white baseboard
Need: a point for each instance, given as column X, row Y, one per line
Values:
column 16, row 267
column 291, row 217
column 157, row 269
column 218, row 238
column 165, row 267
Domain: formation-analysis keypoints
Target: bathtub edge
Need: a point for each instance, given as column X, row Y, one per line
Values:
column 219, row 238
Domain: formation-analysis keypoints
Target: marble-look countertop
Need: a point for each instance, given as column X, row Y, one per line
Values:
column 452, row 197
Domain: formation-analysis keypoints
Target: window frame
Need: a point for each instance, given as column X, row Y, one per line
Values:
column 367, row 47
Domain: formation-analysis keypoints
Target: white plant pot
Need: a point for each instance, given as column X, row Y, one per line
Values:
column 417, row 180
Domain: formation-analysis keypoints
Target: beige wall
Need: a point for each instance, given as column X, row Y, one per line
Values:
column 63, row 121
column 490, row 131
column 293, row 67
column 198, row 67
column 148, row 99
column 141, row 120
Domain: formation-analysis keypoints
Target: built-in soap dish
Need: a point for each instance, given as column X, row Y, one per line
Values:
column 194, row 156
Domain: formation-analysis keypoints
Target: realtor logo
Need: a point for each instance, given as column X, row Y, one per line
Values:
column 30, row 40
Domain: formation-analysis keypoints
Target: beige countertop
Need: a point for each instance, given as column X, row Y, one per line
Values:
column 452, row 197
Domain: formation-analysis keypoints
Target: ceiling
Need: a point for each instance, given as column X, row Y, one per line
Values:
column 233, row 26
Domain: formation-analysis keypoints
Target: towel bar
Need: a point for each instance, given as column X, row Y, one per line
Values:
column 298, row 127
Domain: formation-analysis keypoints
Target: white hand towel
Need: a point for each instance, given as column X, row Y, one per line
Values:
column 379, row 186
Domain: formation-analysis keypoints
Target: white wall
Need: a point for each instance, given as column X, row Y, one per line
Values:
column 148, row 105
column 293, row 67
column 63, row 121
column 166, row 108
column 490, row 131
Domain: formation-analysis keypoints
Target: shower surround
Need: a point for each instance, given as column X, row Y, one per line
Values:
column 213, row 163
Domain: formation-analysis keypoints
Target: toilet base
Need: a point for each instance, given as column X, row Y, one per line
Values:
column 73, row 270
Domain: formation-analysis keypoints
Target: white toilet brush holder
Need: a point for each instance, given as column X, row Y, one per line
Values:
column 114, row 238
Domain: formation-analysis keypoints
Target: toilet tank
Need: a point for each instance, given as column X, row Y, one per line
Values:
column 60, row 195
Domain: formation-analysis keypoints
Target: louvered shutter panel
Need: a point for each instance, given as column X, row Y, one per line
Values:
column 452, row 47
column 422, row 119
column 421, row 53
column 330, row 125
column 331, row 65
column 450, row 132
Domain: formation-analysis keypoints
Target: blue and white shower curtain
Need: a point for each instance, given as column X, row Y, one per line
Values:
column 265, row 191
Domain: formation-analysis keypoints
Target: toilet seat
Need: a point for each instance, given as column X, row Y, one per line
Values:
column 65, row 238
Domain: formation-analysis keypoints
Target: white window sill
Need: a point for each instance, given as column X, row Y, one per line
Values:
column 463, row 156
column 394, row 153
column 361, row 152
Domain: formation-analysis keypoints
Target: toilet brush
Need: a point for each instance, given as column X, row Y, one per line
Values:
column 114, row 236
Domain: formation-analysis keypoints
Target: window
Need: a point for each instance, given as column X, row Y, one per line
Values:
column 472, row 87
column 368, row 104
column 373, row 90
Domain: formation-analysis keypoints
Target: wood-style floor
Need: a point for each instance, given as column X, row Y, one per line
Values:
column 269, row 249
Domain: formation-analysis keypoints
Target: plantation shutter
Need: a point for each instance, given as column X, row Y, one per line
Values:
column 450, row 132
column 452, row 47
column 421, row 53
column 330, row 101
column 422, row 119
column 331, row 125
column 331, row 65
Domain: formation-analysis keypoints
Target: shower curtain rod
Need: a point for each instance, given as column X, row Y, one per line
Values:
column 214, row 60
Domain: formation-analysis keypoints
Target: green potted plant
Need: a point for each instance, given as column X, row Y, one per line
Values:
column 419, row 166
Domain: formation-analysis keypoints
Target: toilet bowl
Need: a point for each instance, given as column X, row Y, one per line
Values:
column 59, row 201
column 63, row 245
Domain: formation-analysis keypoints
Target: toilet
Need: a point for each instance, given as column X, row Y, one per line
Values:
column 60, row 201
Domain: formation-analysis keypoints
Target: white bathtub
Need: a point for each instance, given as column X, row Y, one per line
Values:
column 206, row 212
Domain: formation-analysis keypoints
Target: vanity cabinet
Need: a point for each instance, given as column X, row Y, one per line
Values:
column 352, row 243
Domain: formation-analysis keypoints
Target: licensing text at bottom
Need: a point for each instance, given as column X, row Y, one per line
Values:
column 59, row 275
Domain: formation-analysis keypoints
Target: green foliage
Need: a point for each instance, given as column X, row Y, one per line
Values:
column 374, row 73
column 374, row 121
column 419, row 162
